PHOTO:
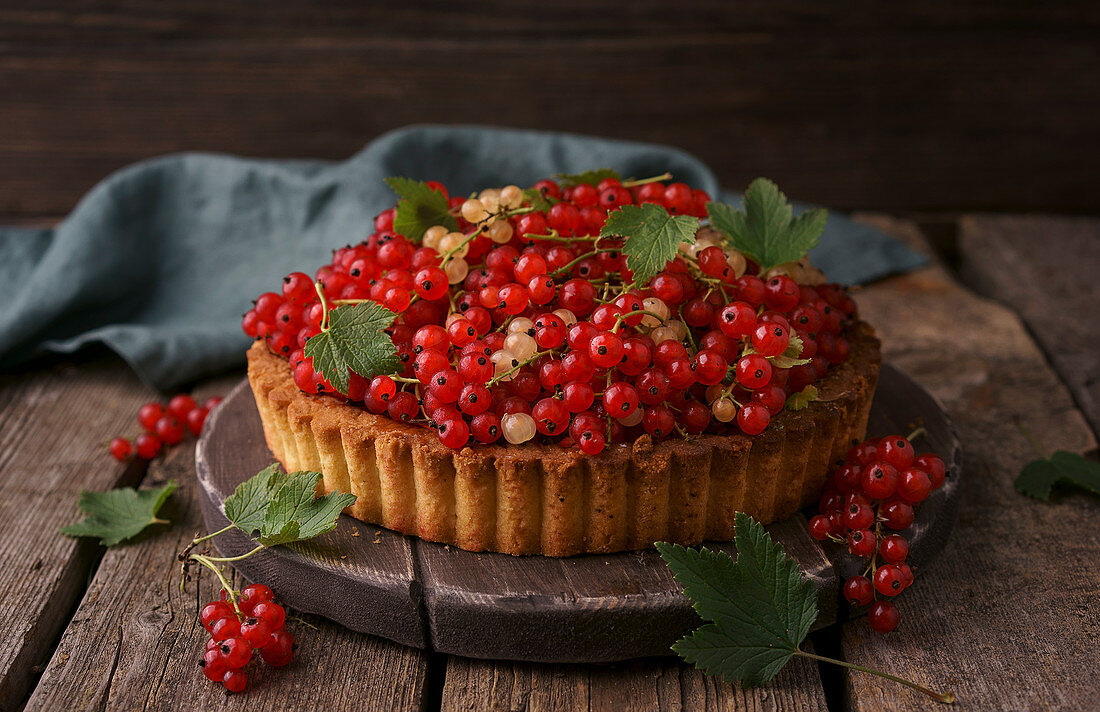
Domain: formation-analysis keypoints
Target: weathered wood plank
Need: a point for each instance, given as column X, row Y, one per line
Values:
column 135, row 640
column 1044, row 268
column 664, row 685
column 828, row 100
column 1007, row 616
column 54, row 427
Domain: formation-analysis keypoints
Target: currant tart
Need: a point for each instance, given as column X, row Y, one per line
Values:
column 588, row 365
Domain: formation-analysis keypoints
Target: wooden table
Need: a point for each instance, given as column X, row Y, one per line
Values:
column 1008, row 617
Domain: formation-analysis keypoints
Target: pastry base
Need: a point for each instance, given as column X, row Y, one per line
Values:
column 554, row 501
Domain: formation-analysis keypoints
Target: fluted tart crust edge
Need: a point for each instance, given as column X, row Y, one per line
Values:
column 555, row 501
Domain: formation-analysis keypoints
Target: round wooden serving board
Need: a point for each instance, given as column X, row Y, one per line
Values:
column 592, row 608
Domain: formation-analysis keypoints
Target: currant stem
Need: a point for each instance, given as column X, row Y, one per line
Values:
column 947, row 698
column 201, row 539
column 496, row 379
column 226, row 586
column 225, row 559
column 643, row 181
column 324, row 304
column 916, row 433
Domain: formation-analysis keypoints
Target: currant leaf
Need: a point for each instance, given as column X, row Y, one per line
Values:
column 798, row 401
column 764, row 230
column 758, row 609
column 119, row 514
column 651, row 237
column 1063, row 468
column 295, row 512
column 356, row 340
column 592, row 177
column 420, row 208
column 790, row 356
column 248, row 504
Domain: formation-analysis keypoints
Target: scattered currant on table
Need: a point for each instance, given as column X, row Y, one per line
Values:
column 163, row 425
column 242, row 624
column 272, row 508
column 585, row 311
column 874, row 492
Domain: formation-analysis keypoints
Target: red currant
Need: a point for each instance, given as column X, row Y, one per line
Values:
column 279, row 650
column 820, row 527
column 859, row 591
column 861, row 542
column 889, row 581
column 880, row 480
column 120, row 449
column 147, row 446
column 883, row 616
column 253, row 594
column 914, row 485
column 894, row 548
column 454, row 433
column 620, row 399
column 753, row 418
column 896, row 450
column 754, row 371
column 180, row 406
column 235, row 680
column 256, row 631
column 272, row 612
column 148, row 416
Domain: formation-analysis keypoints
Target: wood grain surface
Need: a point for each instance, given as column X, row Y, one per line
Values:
column 1045, row 269
column 664, row 686
column 896, row 106
column 1007, row 616
column 135, row 641
column 54, row 428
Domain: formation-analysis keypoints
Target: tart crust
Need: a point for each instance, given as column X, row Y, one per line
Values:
column 555, row 501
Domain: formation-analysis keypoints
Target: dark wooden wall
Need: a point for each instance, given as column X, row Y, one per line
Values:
column 899, row 106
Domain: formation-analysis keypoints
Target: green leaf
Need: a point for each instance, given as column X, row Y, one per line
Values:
column 592, row 177
column 356, row 340
column 1063, row 468
column 296, row 513
column 248, row 504
column 798, row 401
column 764, row 230
column 790, row 356
column 119, row 513
column 652, row 237
column 420, row 208
column 758, row 609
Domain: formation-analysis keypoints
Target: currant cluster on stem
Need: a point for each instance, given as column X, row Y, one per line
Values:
column 239, row 625
column 875, row 491
column 524, row 324
column 163, row 424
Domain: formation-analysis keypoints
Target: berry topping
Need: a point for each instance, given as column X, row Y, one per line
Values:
column 586, row 314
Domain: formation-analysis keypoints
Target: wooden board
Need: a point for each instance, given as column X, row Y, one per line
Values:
column 580, row 609
column 1007, row 616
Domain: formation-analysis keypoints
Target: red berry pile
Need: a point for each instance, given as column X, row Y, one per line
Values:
column 877, row 488
column 163, row 425
column 525, row 324
column 256, row 624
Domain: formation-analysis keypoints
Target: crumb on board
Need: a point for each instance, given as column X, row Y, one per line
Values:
column 355, row 532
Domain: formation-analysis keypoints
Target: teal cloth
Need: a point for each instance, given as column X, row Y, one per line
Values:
column 160, row 259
